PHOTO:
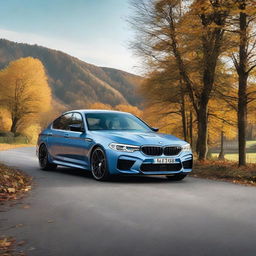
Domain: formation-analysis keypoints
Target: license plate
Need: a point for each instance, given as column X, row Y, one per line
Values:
column 164, row 160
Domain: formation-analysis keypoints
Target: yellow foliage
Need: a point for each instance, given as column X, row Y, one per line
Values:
column 121, row 107
column 56, row 110
column 99, row 105
column 32, row 132
column 24, row 91
column 5, row 120
column 129, row 108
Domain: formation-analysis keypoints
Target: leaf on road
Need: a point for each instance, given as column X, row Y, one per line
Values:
column 4, row 242
column 26, row 206
column 20, row 243
column 11, row 190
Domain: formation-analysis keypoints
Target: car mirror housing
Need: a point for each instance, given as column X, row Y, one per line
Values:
column 154, row 129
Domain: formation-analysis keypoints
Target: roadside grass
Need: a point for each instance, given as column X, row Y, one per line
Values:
column 13, row 183
column 250, row 157
column 250, row 143
column 6, row 146
column 226, row 171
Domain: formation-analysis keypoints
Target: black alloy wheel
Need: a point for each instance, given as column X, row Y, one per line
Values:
column 43, row 159
column 99, row 165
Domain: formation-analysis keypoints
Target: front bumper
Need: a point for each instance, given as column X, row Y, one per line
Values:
column 138, row 163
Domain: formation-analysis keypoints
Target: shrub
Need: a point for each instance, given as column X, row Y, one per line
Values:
column 6, row 134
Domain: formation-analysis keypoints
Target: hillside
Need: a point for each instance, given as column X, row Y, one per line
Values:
column 75, row 83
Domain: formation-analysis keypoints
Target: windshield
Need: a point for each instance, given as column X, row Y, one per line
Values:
column 115, row 121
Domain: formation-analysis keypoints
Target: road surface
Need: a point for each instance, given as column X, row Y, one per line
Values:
column 68, row 213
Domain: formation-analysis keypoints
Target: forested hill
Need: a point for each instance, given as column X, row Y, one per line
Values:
column 76, row 83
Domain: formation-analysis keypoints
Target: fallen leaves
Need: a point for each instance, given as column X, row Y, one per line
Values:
column 7, row 247
column 5, row 243
column 13, row 183
column 225, row 171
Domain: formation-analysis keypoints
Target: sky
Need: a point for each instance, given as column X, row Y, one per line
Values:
column 95, row 31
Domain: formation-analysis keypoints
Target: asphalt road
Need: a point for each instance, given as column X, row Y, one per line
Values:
column 68, row 213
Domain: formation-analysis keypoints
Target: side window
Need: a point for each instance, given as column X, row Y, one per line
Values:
column 77, row 119
column 63, row 122
column 56, row 123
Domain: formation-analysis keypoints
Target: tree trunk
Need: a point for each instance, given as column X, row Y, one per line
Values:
column 14, row 125
column 183, row 114
column 242, row 89
column 242, row 109
column 221, row 154
column 249, row 133
column 202, row 131
column 191, row 129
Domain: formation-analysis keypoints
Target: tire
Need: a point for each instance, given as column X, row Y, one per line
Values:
column 99, row 166
column 44, row 160
column 177, row 176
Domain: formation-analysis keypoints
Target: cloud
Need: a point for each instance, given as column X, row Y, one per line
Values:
column 101, row 53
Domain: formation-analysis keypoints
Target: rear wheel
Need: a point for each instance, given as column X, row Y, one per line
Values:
column 177, row 176
column 43, row 159
column 99, row 165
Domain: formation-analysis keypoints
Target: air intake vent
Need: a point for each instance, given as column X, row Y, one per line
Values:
column 187, row 164
column 160, row 167
column 124, row 164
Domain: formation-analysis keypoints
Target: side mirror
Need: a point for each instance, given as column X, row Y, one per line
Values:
column 76, row 128
column 154, row 129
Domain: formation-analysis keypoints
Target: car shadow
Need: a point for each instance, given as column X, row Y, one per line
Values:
column 116, row 178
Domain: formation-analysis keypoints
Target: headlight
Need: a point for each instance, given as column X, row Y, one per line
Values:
column 124, row 147
column 186, row 148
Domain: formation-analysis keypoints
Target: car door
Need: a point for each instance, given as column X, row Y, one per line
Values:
column 77, row 144
column 57, row 138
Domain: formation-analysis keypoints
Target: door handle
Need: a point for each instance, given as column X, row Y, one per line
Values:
column 66, row 135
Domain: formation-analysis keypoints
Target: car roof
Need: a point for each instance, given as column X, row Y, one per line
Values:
column 86, row 111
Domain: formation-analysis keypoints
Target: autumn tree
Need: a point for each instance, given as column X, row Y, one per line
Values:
column 24, row 91
column 164, row 88
column 243, row 24
column 179, row 29
column 99, row 105
column 129, row 108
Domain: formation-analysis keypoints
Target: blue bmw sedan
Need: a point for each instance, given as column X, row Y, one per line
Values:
column 112, row 142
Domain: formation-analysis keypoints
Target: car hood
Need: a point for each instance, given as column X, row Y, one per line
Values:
column 139, row 138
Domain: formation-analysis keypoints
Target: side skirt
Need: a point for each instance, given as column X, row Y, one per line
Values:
column 70, row 165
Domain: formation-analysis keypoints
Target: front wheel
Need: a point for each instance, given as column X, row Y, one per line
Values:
column 99, row 165
column 177, row 176
column 43, row 159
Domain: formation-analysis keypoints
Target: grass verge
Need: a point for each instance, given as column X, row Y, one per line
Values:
column 5, row 146
column 226, row 171
column 250, row 157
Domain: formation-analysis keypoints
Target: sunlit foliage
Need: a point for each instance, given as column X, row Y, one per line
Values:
column 24, row 92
